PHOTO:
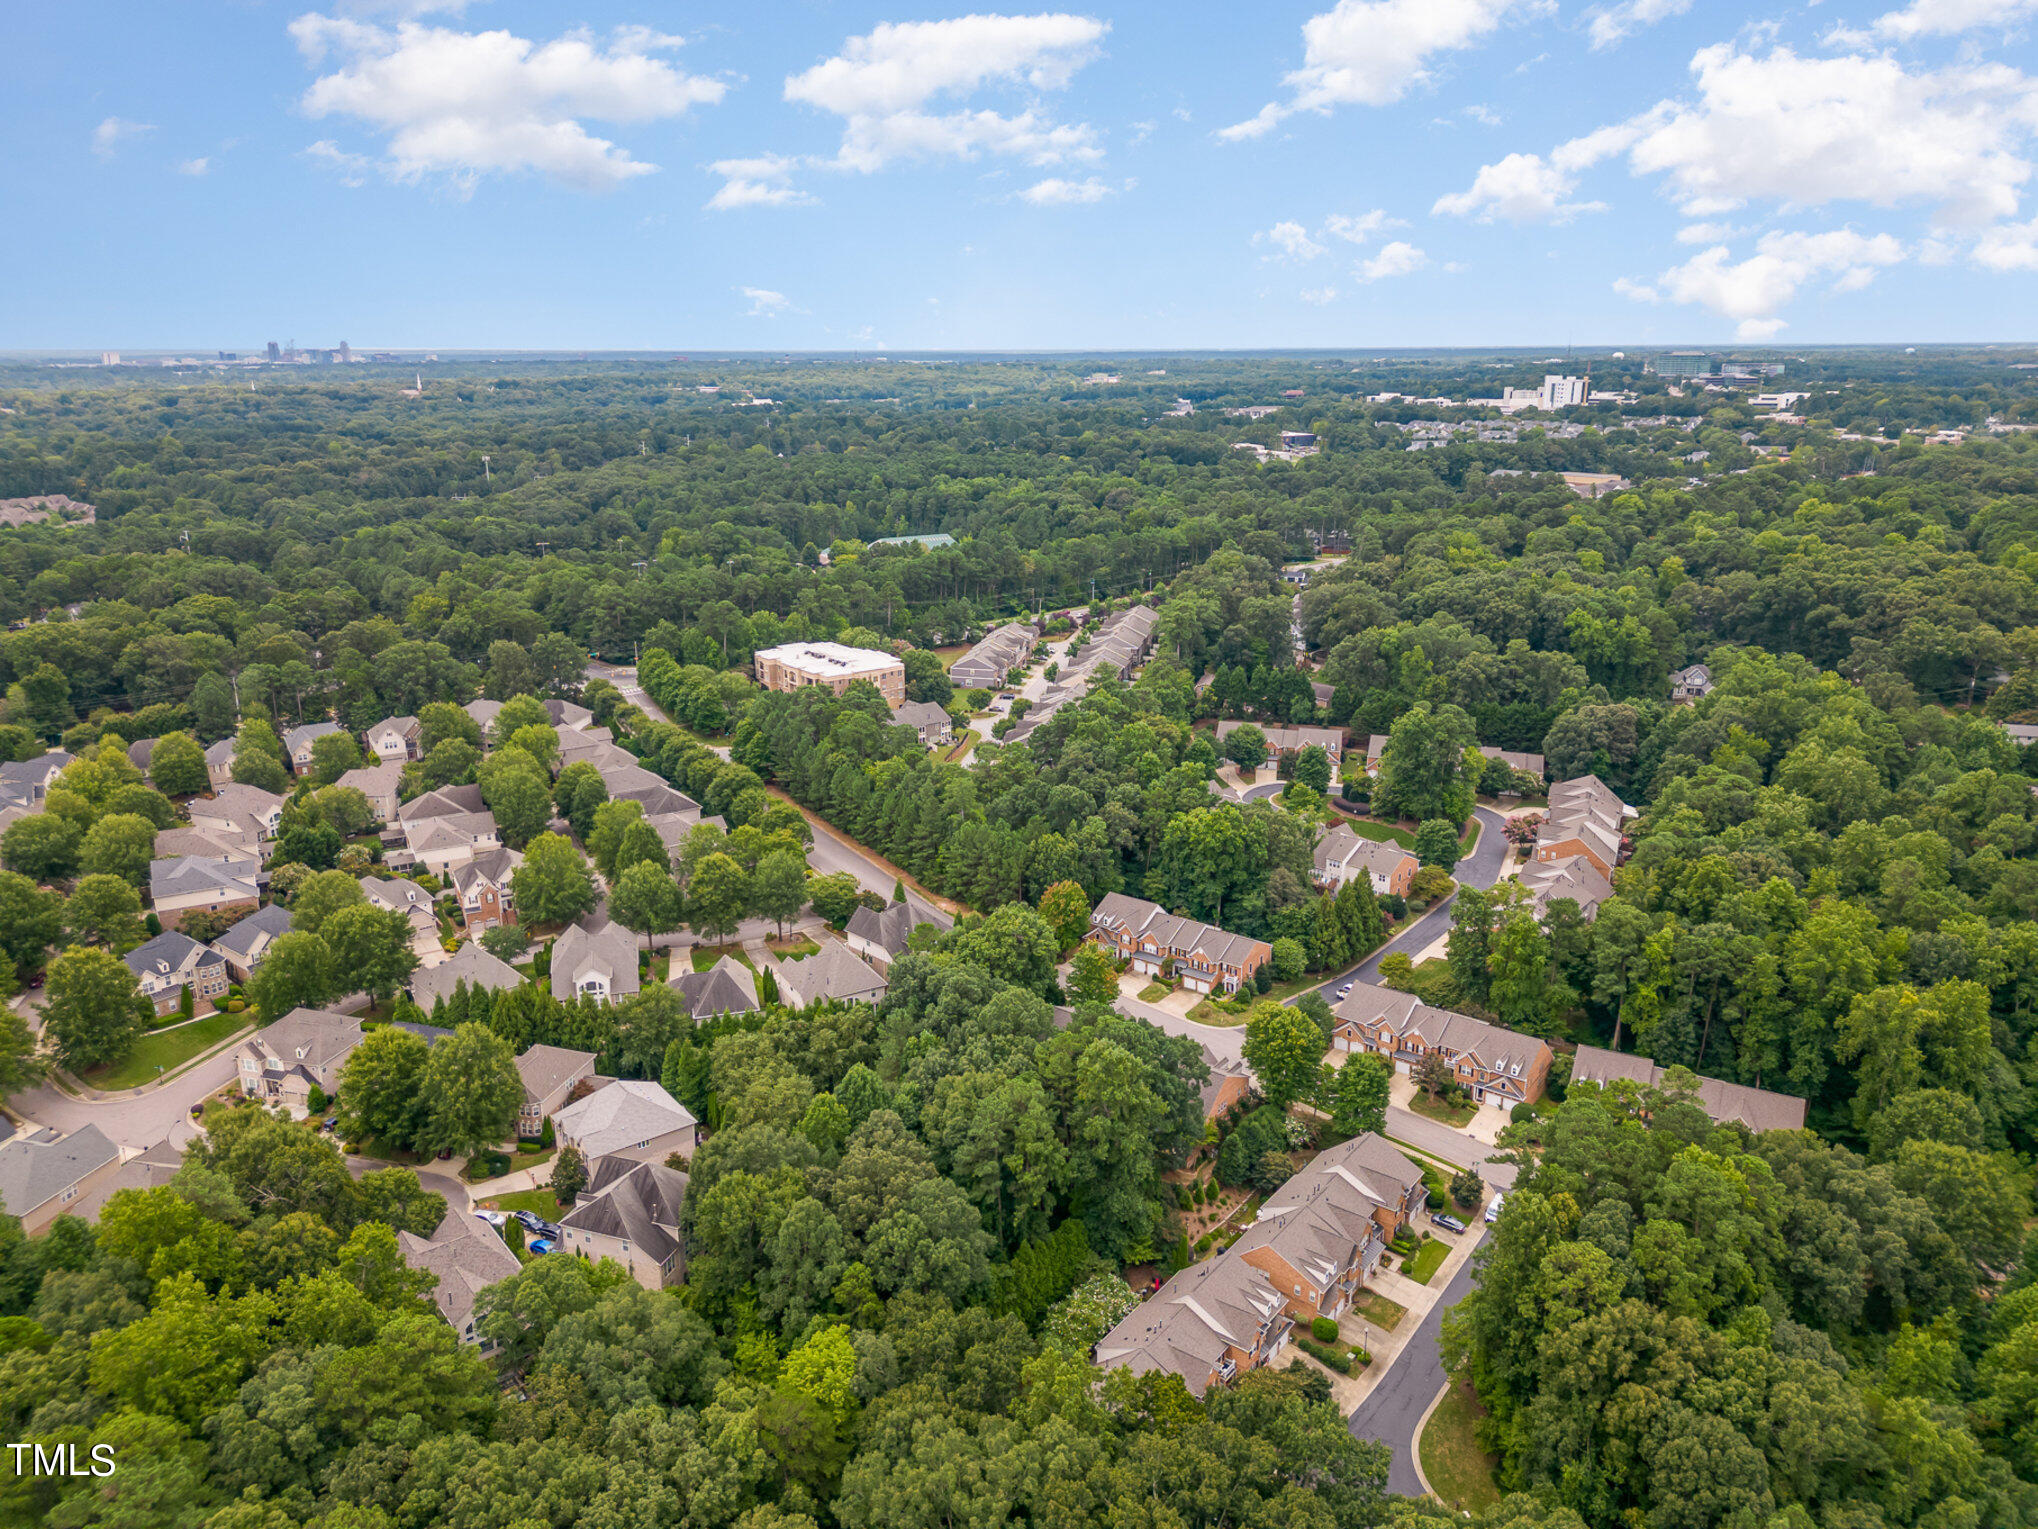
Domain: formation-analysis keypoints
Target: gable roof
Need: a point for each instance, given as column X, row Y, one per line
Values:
column 470, row 964
column 305, row 736
column 37, row 1167
column 921, row 714
column 493, row 866
column 170, row 952
column 380, row 779
column 727, row 987
column 193, row 874
column 1341, row 847
column 467, row 1257
column 308, row 1037
column 1318, row 1219
column 240, row 939
column 1759, row 1109
column 1178, row 936
column 1185, row 1327
column 399, row 728
column 892, row 926
column 620, row 1116
column 638, row 1203
column 832, row 972
column 544, row 1068
column 607, row 948
column 1505, row 1053
column 217, row 844
column 1573, row 876
column 444, row 802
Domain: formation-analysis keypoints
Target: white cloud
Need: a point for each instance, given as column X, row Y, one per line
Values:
column 352, row 169
column 1637, row 291
column 1809, row 131
column 1373, row 52
column 1359, row 228
column 1940, row 18
column 467, row 104
column 762, row 181
column 1522, row 188
column 1397, row 259
column 1318, row 296
column 111, row 133
column 1610, row 24
column 2008, row 247
column 1292, row 240
column 764, row 303
column 1707, row 233
column 197, row 166
column 1752, row 291
column 1483, row 114
column 880, row 84
column 1056, row 192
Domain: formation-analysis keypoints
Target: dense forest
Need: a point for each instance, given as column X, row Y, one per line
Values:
column 907, row 1227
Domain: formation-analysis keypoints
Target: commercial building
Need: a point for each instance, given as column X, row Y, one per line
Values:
column 797, row 665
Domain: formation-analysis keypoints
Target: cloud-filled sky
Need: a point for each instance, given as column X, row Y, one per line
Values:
column 830, row 174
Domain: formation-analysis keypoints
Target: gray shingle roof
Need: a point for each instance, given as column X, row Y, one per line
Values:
column 892, row 927
column 544, row 1068
column 466, row 1256
column 608, row 949
column 37, row 1167
column 618, row 1117
column 168, row 952
column 1759, row 1109
column 727, row 987
column 471, row 964
column 240, row 939
column 189, row 874
column 637, row 1202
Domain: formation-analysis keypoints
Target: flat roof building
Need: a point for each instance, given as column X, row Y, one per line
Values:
column 796, row 665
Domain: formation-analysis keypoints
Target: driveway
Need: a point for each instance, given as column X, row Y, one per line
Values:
column 1397, row 1404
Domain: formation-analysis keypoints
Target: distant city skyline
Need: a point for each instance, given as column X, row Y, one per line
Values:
column 1389, row 174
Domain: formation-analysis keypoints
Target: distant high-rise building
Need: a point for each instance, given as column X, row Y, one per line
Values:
column 346, row 351
column 275, row 351
column 1563, row 392
column 1681, row 363
column 109, row 358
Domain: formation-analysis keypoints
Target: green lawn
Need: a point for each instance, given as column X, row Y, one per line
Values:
column 541, row 1202
column 1386, row 833
column 166, row 1050
column 1453, row 1115
column 1153, row 992
column 798, row 948
column 1426, row 1260
column 1378, row 1310
column 705, row 956
column 1459, row 1471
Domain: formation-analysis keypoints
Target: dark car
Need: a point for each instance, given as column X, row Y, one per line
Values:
column 1448, row 1223
column 330, row 1123
column 533, row 1222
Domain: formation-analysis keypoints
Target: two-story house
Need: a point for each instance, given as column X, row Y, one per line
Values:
column 470, row 964
column 44, row 1174
column 219, row 763
column 298, row 741
column 170, row 963
column 549, row 1074
column 191, row 882
column 381, row 783
column 305, row 1049
column 1208, row 1324
column 1497, row 1067
column 415, row 904
column 246, row 942
column 1319, row 1237
column 238, row 813
column 1206, row 958
column 483, row 887
column 882, row 935
column 631, row 1117
column 594, row 962
column 467, row 1257
column 393, row 740
column 1585, row 818
column 630, row 1212
column 1285, row 742
column 447, row 827
column 1341, row 856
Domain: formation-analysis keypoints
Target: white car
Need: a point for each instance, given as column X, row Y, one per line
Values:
column 492, row 1217
column 1493, row 1210
column 1345, row 991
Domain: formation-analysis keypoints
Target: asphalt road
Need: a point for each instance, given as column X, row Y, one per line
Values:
column 140, row 1122
column 1396, row 1405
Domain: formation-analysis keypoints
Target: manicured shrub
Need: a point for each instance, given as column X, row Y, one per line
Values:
column 1323, row 1329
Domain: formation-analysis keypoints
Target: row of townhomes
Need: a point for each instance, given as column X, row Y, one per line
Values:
column 1000, row 651
column 1759, row 1109
column 1316, row 1243
column 1496, row 1067
column 1119, row 646
column 1155, row 941
column 1286, row 742
column 1341, row 856
column 1581, row 842
column 1528, row 764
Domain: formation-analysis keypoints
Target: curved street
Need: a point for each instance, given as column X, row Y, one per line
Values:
column 1396, row 1405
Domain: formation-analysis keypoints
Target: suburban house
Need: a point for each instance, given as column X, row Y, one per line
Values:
column 1323, row 693
column 595, row 746
column 172, row 843
column 634, row 783
column 298, row 741
column 1585, row 818
column 1206, row 958
column 170, row 963
column 596, row 962
column 549, row 1074
column 830, row 974
column 219, row 763
column 1497, row 1067
column 931, row 723
column 483, row 712
column 568, row 716
column 393, row 740
column 1376, row 746
column 249, row 940
column 1319, row 1237
column 882, row 935
column 631, row 1117
column 238, row 812
column 1575, row 878
column 415, row 904
column 305, row 1049
column 727, row 987
column 630, row 1212
column 1528, row 764
column 186, row 883
column 995, row 655
column 1692, row 684
column 468, row 1257
column 445, row 828
column 44, row 1174
column 1208, row 1324
column 381, row 783
column 150, row 1170
column 1230, row 1081
column 1341, row 855
column 672, row 828
column 1285, row 742
column 469, row 964
column 1759, row 1109
column 24, row 783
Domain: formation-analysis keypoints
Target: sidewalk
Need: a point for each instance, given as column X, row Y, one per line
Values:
column 1387, row 1347
column 511, row 1183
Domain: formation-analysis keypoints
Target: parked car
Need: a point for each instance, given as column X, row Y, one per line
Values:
column 541, row 1245
column 1493, row 1210
column 330, row 1123
column 492, row 1217
column 1448, row 1223
column 1345, row 991
column 533, row 1222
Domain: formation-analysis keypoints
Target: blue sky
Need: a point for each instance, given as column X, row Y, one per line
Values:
column 787, row 175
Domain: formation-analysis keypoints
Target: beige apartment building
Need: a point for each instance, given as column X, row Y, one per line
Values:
column 796, row 665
